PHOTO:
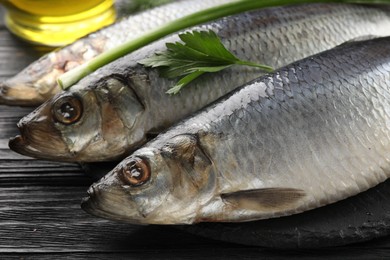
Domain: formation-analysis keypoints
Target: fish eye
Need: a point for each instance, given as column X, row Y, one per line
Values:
column 67, row 110
column 136, row 172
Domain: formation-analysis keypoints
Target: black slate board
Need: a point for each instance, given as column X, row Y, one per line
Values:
column 359, row 218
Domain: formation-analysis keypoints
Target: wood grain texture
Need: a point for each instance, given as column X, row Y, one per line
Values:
column 40, row 215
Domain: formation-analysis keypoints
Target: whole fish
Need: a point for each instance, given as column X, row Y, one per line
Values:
column 313, row 133
column 37, row 83
column 117, row 108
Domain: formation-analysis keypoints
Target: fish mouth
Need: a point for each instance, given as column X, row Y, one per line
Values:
column 92, row 204
column 111, row 205
column 16, row 142
column 43, row 145
column 88, row 204
column 22, row 146
column 19, row 145
column 19, row 95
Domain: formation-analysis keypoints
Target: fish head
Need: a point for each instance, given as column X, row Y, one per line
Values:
column 38, row 81
column 33, row 85
column 82, row 124
column 37, row 135
column 166, row 185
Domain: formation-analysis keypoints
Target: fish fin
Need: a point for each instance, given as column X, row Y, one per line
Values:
column 268, row 199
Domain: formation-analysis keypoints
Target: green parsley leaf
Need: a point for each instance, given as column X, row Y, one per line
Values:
column 201, row 52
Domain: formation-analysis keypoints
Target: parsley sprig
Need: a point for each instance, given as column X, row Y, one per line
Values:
column 201, row 52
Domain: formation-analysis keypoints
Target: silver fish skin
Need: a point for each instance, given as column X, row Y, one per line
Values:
column 118, row 107
column 312, row 133
column 37, row 82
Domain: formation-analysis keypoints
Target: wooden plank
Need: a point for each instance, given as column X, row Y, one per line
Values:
column 217, row 254
column 40, row 215
column 20, row 53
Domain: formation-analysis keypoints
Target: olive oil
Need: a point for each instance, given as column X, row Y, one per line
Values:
column 57, row 22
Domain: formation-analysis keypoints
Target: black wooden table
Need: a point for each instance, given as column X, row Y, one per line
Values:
column 40, row 214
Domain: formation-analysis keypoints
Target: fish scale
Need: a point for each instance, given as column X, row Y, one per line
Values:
column 274, row 147
column 138, row 24
column 357, row 105
column 271, row 56
column 270, row 135
column 145, row 109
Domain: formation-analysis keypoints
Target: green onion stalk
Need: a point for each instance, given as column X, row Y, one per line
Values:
column 73, row 76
